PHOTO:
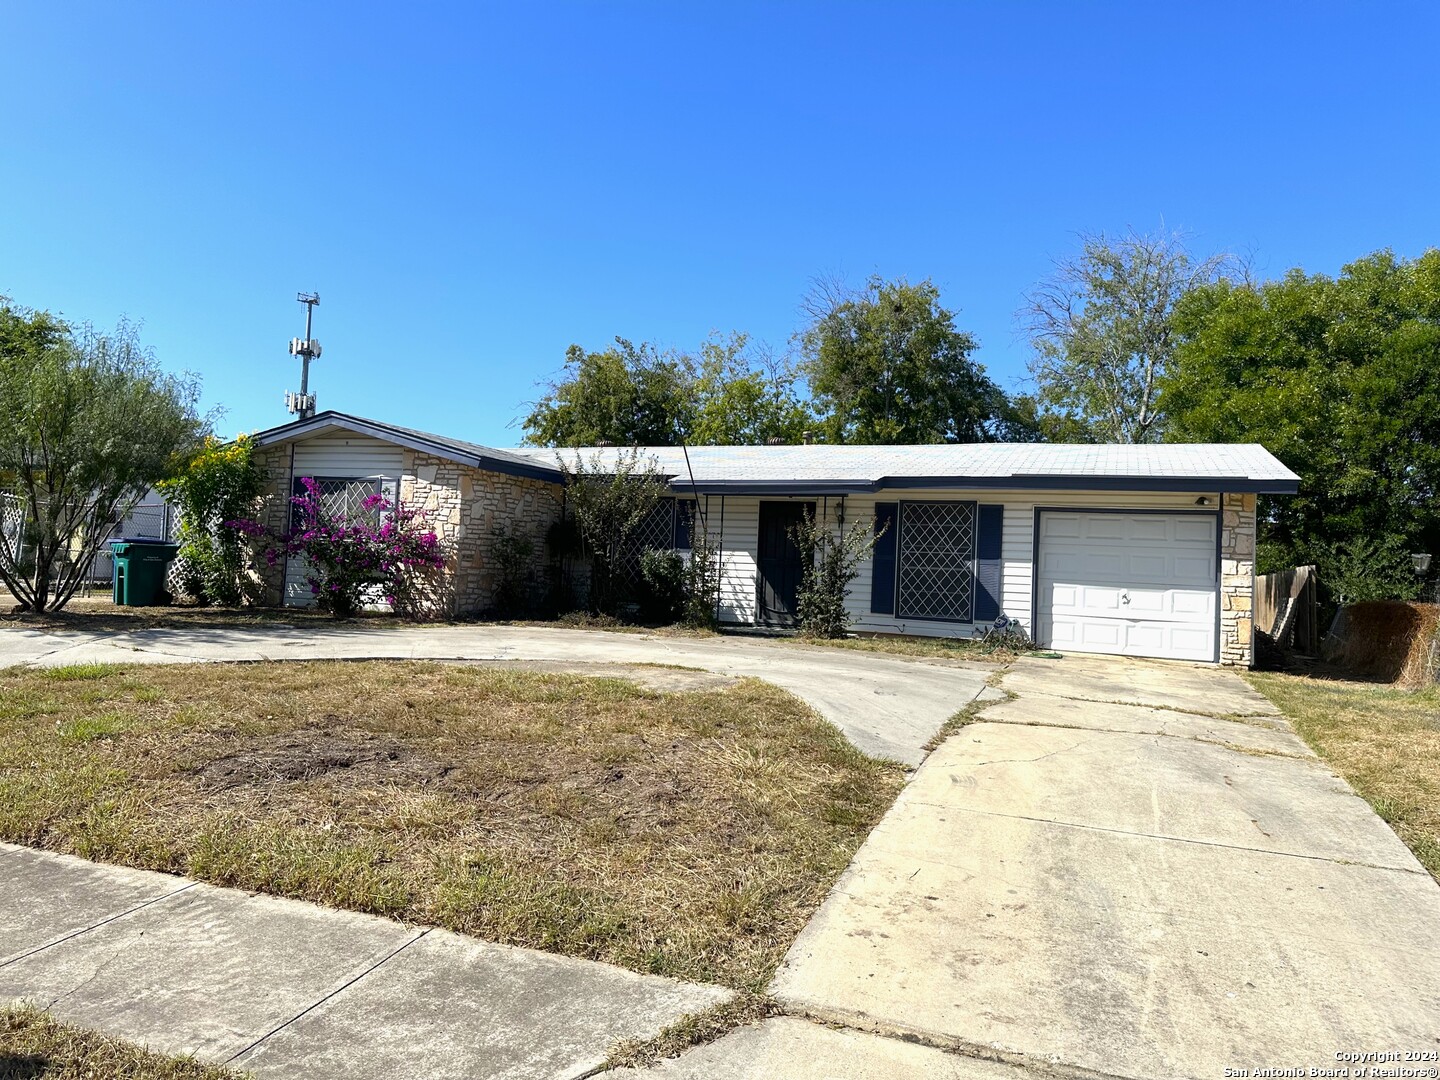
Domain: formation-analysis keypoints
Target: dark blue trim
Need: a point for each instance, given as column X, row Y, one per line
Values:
column 774, row 487
column 684, row 516
column 1029, row 482
column 1217, row 514
column 883, row 565
column 989, row 539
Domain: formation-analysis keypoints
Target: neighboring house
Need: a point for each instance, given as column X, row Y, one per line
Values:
column 1135, row 550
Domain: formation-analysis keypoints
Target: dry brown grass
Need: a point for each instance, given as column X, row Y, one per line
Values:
column 34, row 1045
column 688, row 834
column 1384, row 741
column 933, row 648
column 97, row 614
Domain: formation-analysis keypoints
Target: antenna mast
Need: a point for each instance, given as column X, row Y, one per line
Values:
column 307, row 348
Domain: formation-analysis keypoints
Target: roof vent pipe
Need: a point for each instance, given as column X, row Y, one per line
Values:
column 808, row 438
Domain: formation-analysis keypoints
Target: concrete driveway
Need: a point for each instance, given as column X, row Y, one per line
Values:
column 1105, row 874
column 887, row 707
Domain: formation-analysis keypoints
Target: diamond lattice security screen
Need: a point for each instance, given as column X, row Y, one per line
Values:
column 656, row 530
column 936, row 561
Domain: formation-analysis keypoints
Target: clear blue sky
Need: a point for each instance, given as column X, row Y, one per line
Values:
column 473, row 187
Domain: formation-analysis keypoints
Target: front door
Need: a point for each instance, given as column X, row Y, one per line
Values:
column 779, row 558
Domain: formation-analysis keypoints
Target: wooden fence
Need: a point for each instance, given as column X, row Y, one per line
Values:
column 1287, row 608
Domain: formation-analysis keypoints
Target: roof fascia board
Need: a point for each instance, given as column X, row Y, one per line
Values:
column 1201, row 484
column 1070, row 482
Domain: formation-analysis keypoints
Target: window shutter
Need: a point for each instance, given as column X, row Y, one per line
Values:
column 882, row 560
column 989, row 527
column 684, row 515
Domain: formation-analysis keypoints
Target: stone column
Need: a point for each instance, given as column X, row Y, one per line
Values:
column 1237, row 579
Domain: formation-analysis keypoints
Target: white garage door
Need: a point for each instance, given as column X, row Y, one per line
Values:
column 1133, row 584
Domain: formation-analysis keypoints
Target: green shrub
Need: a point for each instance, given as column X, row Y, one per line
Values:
column 662, row 586
column 1369, row 569
column 220, row 484
column 513, row 554
column 702, row 582
column 829, row 561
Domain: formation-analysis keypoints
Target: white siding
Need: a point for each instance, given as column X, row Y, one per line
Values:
column 735, row 529
column 1017, row 546
column 337, row 456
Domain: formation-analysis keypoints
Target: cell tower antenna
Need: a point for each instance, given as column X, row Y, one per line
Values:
column 307, row 348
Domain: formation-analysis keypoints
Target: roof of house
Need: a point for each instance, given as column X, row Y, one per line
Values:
column 840, row 469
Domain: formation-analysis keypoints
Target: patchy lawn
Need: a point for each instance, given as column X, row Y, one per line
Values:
column 943, row 648
column 688, row 833
column 34, row 1045
column 97, row 613
column 1384, row 741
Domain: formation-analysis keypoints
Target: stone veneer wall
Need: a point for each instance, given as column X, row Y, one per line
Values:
column 466, row 506
column 1237, row 579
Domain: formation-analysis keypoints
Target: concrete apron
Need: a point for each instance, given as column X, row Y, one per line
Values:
column 888, row 707
column 1128, row 890
column 289, row 989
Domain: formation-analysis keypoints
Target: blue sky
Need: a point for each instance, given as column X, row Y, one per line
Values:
column 473, row 187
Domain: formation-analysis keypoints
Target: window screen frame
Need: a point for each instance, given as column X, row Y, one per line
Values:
column 972, row 507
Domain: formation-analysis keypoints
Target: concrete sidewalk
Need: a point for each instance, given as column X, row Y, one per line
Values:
column 1100, row 876
column 888, row 707
column 288, row 989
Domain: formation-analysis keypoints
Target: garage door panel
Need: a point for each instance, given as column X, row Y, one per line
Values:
column 1060, row 526
column 1195, row 530
column 1151, row 529
column 1132, row 584
column 1180, row 605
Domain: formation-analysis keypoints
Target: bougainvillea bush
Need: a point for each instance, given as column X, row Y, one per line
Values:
column 386, row 549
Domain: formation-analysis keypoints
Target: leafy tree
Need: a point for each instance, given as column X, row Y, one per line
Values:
column 1340, row 379
column 628, row 395
column 88, row 423
column 1102, row 330
column 742, row 398
column 888, row 365
column 220, row 483
column 638, row 395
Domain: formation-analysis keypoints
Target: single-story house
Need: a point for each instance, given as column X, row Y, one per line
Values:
column 1134, row 550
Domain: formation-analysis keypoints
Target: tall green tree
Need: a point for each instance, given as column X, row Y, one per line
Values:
column 887, row 364
column 1340, row 379
column 1102, row 330
column 88, row 423
column 626, row 395
column 744, row 397
column 727, row 393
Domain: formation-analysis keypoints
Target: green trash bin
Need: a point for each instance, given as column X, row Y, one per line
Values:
column 140, row 568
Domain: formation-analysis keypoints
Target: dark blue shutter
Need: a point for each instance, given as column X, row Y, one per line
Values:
column 990, row 523
column 684, row 515
column 882, row 560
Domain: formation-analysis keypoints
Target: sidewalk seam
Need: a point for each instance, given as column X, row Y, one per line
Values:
column 1171, row 839
column 96, row 926
column 332, row 994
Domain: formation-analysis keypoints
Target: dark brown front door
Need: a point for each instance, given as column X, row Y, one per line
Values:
column 779, row 558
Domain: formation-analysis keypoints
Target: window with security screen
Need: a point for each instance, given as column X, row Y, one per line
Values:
column 345, row 497
column 935, row 576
